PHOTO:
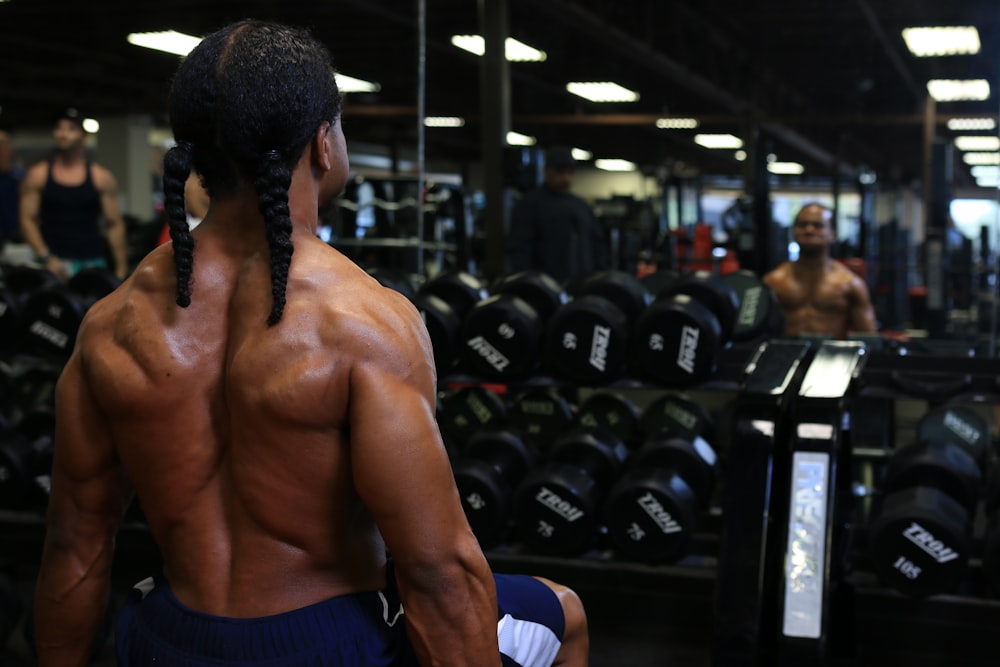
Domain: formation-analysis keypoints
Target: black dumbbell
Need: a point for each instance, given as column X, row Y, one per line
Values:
column 677, row 339
column 961, row 425
column 467, row 410
column 613, row 412
column 26, row 462
column 34, row 386
column 557, row 506
column 542, row 414
column 660, row 281
column 443, row 302
column 502, row 335
column 675, row 416
column 11, row 608
column 921, row 535
column 16, row 283
column 653, row 507
column 588, row 338
column 759, row 316
column 52, row 315
column 488, row 470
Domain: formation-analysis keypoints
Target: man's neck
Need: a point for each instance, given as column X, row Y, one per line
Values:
column 818, row 262
column 69, row 158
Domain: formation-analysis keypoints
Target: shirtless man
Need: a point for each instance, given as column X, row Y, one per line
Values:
column 63, row 201
column 275, row 416
column 818, row 294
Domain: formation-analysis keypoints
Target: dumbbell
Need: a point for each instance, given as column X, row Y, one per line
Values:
column 11, row 608
column 502, row 335
column 469, row 409
column 16, row 283
column 612, row 412
column 542, row 414
column 443, row 302
column 921, row 534
column 677, row 339
column 557, row 506
column 675, row 416
column 26, row 462
column 588, row 338
column 760, row 316
column 52, row 315
column 488, row 470
column 34, row 386
column 653, row 507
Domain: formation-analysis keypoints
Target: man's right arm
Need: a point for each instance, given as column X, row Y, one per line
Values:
column 402, row 473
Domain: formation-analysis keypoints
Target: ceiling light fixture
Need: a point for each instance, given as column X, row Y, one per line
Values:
column 350, row 84
column 981, row 158
column 518, row 139
column 792, row 168
column 718, row 141
column 985, row 171
column 676, row 123
column 988, row 182
column 977, row 143
column 971, row 124
column 615, row 165
column 444, row 121
column 168, row 41
column 740, row 155
column 581, row 155
column 602, row 91
column 91, row 126
column 942, row 41
column 514, row 50
column 956, row 90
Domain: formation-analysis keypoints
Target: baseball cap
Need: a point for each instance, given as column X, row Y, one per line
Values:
column 70, row 113
column 559, row 157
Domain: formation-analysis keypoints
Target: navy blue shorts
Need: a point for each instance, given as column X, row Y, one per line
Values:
column 154, row 628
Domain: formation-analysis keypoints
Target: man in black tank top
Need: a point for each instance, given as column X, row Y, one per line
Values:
column 63, row 202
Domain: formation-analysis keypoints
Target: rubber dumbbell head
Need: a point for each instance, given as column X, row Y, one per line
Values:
column 52, row 315
column 443, row 328
column 653, row 507
column 759, row 315
column 16, row 283
column 501, row 338
column 587, row 341
column 659, row 281
column 961, row 425
column 540, row 290
column 672, row 415
column 612, row 412
column 618, row 287
column 458, row 289
column 920, row 538
column 557, row 506
column 491, row 466
column 542, row 414
column 468, row 409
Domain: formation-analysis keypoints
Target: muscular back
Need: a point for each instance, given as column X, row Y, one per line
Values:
column 828, row 299
column 234, row 434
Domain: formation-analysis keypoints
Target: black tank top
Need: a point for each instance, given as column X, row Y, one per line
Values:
column 70, row 218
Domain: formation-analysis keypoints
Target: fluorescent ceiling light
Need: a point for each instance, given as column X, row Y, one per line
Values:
column 580, row 154
column 971, row 124
column 615, row 165
column 718, row 141
column 974, row 143
column 602, row 91
column 984, row 171
column 740, row 155
column 981, row 158
column 676, row 123
column 785, row 168
column 950, row 41
column 350, row 84
column 514, row 50
column 518, row 139
column 955, row 90
column 444, row 121
column 988, row 182
column 91, row 126
column 169, row 41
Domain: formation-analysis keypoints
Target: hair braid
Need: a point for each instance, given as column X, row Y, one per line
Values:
column 176, row 169
column 272, row 182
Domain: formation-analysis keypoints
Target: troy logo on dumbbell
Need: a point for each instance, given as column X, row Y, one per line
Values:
column 926, row 541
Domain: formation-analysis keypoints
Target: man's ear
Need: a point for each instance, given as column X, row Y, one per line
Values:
column 321, row 147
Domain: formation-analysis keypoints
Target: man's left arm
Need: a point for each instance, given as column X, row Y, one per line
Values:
column 88, row 498
column 111, row 210
column 861, row 317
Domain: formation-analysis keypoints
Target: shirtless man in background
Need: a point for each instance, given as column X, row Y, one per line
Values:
column 819, row 295
column 275, row 417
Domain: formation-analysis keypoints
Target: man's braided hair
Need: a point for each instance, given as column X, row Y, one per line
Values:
column 243, row 106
